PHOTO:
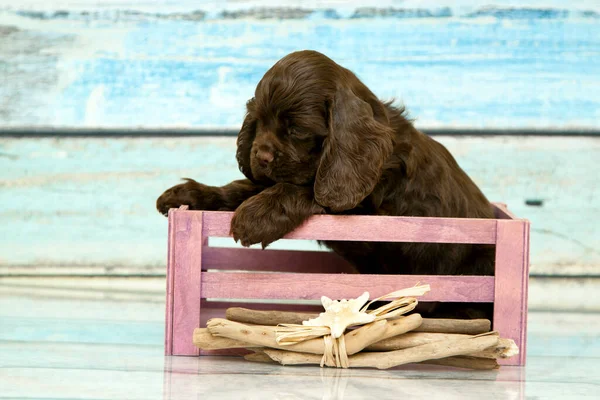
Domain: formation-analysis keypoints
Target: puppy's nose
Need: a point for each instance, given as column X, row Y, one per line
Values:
column 264, row 157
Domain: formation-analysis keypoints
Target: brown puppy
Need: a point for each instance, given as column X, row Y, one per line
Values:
column 315, row 140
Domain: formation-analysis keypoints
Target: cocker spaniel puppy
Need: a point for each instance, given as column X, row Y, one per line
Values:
column 316, row 140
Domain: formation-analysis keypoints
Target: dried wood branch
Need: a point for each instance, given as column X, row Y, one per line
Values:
column 264, row 336
column 385, row 360
column 469, row 327
column 259, row 356
column 259, row 317
column 462, row 362
column 204, row 340
column 413, row 339
column 506, row 347
column 464, row 326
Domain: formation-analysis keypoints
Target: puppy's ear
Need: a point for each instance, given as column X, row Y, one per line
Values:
column 353, row 153
column 245, row 139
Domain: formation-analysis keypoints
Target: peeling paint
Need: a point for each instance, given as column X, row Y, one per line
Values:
column 194, row 65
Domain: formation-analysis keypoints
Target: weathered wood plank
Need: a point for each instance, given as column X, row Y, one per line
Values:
column 90, row 203
column 185, row 64
column 132, row 293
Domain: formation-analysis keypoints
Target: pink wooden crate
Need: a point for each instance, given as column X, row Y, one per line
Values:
column 201, row 279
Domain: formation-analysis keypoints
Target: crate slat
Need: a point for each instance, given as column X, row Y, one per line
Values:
column 512, row 271
column 186, row 253
column 292, row 286
column 376, row 228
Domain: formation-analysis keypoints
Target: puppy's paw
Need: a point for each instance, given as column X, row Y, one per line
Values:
column 191, row 193
column 258, row 220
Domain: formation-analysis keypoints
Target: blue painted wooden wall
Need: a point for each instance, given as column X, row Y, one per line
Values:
column 194, row 64
column 86, row 205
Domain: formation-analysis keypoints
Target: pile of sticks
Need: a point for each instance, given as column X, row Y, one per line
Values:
column 382, row 344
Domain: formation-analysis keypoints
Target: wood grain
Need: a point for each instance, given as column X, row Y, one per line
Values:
column 510, row 297
column 170, row 290
column 376, row 228
column 104, row 190
column 170, row 283
column 240, row 285
column 469, row 327
column 217, row 309
column 186, row 264
column 542, row 292
column 148, row 69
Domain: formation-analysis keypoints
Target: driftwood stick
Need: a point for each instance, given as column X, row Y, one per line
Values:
column 430, row 351
column 259, row 356
column 506, row 347
column 400, row 326
column 463, row 326
column 469, row 327
column 258, row 335
column 457, row 361
column 462, row 362
column 360, row 338
column 264, row 336
column 259, row 317
column 293, row 358
column 204, row 340
column 413, row 339
column 426, row 352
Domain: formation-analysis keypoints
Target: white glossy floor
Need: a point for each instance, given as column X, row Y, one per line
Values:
column 107, row 349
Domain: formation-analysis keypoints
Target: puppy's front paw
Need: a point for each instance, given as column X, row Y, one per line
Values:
column 191, row 193
column 259, row 221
